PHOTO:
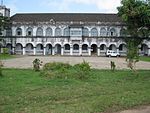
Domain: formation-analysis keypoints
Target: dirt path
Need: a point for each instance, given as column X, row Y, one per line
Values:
column 145, row 109
column 95, row 62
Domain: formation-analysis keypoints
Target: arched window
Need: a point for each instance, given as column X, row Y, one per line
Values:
column 122, row 32
column 49, row 32
column 94, row 32
column 57, row 32
column 19, row 32
column 29, row 31
column 84, row 47
column 85, row 32
column 112, row 32
column 39, row 32
column 66, row 32
column 76, row 47
column 67, row 47
column 8, row 32
column 103, row 32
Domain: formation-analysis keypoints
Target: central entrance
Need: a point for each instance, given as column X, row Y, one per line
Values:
column 94, row 49
column 58, row 49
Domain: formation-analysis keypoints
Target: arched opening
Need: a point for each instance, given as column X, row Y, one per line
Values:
column 29, row 49
column 29, row 31
column 66, row 32
column 9, row 46
column 103, row 49
column 122, row 49
column 57, row 49
column 8, row 32
column 94, row 32
column 48, row 49
column 122, row 32
column 39, row 32
column 112, row 32
column 19, row 49
column 57, row 32
column 85, row 32
column 67, row 47
column 113, row 47
column 84, row 48
column 76, row 47
column 18, row 32
column 144, row 49
column 49, row 32
column 94, row 49
column 103, row 32
column 39, row 49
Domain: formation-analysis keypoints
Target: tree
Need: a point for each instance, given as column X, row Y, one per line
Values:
column 4, row 23
column 136, row 15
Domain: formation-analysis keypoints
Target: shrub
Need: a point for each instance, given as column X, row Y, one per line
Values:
column 65, row 70
column 82, row 70
column 5, row 51
column 36, row 64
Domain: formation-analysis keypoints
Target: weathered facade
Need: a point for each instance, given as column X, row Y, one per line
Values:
column 77, row 34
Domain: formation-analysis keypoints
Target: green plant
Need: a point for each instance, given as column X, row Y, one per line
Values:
column 113, row 66
column 36, row 64
column 82, row 70
column 5, row 51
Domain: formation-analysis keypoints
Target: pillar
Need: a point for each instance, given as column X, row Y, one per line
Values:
column 44, row 51
column 34, row 51
column 89, row 51
column 80, row 50
column 13, row 50
column 148, row 51
column 62, row 51
column 24, row 51
column 98, row 51
column 71, row 51
column 53, row 50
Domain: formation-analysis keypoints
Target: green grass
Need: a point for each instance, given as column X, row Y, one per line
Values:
column 145, row 58
column 6, row 56
column 24, row 91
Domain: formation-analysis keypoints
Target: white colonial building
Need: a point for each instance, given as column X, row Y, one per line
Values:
column 77, row 34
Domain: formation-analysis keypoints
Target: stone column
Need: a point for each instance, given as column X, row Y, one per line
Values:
column 13, row 50
column 34, row 51
column 148, row 51
column 98, row 51
column 62, row 51
column 44, row 51
column 80, row 50
column 53, row 50
column 24, row 51
column 89, row 51
column 71, row 50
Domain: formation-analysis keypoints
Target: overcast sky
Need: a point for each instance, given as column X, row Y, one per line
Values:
column 62, row 6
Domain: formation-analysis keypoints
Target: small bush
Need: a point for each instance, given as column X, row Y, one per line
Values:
column 65, row 70
column 36, row 64
column 5, row 50
column 82, row 70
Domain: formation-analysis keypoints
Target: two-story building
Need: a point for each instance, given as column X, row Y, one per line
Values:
column 77, row 34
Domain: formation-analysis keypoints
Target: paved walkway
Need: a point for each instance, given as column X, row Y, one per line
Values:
column 95, row 62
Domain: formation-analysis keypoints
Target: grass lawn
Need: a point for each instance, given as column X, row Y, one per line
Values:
column 145, row 58
column 6, row 56
column 24, row 91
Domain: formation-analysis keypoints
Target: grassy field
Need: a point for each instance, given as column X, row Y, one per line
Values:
column 145, row 58
column 24, row 91
column 6, row 56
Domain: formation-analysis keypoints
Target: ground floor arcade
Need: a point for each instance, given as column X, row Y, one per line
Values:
column 72, row 49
